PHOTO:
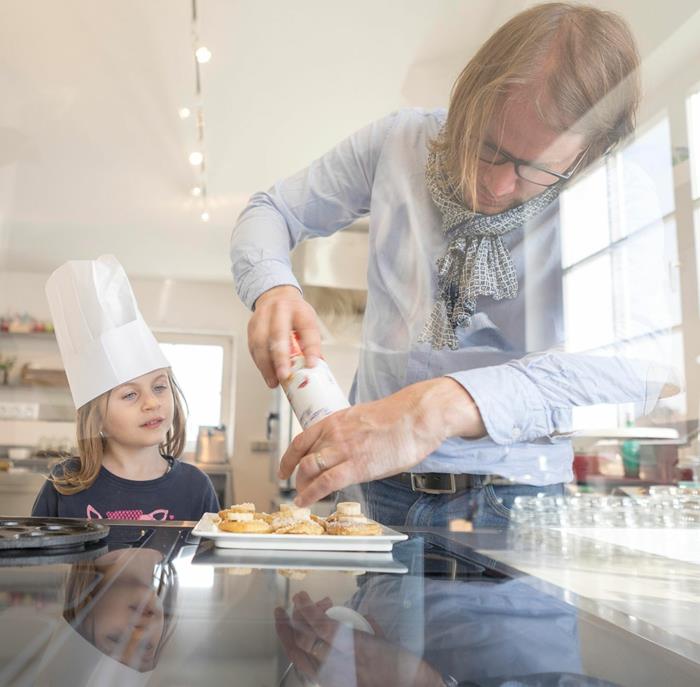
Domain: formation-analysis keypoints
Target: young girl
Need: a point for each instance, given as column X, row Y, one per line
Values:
column 130, row 411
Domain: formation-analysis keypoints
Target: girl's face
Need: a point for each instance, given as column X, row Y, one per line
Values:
column 139, row 414
column 127, row 620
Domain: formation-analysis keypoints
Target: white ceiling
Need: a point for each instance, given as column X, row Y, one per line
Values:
column 93, row 154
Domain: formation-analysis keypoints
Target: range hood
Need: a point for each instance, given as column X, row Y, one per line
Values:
column 338, row 261
column 332, row 272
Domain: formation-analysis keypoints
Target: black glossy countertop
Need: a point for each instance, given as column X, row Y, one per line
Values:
column 152, row 605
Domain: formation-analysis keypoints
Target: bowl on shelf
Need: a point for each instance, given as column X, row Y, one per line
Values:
column 19, row 453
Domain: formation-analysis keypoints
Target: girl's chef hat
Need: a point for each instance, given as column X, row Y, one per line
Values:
column 101, row 334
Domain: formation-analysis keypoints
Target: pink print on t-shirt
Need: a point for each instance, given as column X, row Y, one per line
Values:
column 126, row 514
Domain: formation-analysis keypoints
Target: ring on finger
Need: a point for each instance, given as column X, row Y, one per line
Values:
column 315, row 647
column 320, row 462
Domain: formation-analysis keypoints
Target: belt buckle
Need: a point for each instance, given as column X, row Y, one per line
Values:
column 415, row 487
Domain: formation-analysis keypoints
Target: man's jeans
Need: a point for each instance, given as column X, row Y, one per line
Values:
column 487, row 505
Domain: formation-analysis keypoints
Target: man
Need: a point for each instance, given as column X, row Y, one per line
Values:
column 464, row 278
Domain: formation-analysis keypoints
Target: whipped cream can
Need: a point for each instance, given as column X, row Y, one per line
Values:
column 313, row 392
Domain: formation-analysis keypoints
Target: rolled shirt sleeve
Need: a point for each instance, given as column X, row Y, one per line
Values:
column 532, row 398
column 327, row 196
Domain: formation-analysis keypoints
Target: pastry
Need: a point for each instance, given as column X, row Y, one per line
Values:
column 318, row 519
column 237, row 508
column 301, row 527
column 295, row 521
column 244, row 523
column 346, row 509
column 353, row 526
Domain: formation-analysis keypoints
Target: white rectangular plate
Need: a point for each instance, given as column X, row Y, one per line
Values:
column 339, row 561
column 295, row 542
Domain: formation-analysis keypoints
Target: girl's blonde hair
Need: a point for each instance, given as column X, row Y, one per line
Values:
column 74, row 475
column 578, row 63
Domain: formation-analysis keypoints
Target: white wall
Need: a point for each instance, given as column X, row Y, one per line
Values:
column 186, row 307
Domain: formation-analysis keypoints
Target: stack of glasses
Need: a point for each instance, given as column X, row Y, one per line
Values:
column 665, row 506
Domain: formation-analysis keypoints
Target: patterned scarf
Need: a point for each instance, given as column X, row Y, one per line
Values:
column 476, row 262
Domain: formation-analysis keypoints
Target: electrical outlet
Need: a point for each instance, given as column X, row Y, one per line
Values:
column 19, row 411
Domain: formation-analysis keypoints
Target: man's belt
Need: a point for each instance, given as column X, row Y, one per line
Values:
column 439, row 482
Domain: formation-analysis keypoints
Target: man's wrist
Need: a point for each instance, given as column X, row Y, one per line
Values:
column 280, row 291
column 457, row 411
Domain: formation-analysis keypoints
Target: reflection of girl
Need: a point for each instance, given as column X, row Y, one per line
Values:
column 123, row 604
column 130, row 412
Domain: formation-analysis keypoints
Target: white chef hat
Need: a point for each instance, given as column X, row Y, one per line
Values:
column 103, row 339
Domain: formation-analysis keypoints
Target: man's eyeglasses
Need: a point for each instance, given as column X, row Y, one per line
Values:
column 529, row 171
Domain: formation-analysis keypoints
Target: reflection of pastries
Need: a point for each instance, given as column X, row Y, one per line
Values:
column 301, row 527
column 293, row 574
column 354, row 527
column 243, row 522
column 239, row 571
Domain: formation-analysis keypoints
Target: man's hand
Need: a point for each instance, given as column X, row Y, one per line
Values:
column 277, row 312
column 333, row 655
column 378, row 439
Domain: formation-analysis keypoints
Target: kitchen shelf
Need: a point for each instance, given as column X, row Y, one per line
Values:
column 29, row 335
column 35, row 387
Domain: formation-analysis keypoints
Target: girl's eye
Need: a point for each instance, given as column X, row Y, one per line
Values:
column 128, row 397
column 160, row 388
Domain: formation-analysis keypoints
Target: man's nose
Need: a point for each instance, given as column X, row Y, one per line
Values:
column 501, row 180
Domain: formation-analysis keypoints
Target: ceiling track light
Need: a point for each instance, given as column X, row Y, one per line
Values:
column 202, row 55
column 196, row 158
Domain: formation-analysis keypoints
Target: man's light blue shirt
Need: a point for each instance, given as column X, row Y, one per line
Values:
column 510, row 358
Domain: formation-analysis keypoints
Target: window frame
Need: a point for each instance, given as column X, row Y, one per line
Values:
column 228, row 387
column 617, row 237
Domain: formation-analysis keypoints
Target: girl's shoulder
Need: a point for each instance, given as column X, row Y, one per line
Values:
column 187, row 470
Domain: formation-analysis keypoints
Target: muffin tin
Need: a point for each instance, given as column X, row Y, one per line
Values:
column 48, row 533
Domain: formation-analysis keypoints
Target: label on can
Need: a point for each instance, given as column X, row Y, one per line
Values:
column 313, row 391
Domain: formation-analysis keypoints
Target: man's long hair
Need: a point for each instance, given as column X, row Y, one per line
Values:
column 578, row 64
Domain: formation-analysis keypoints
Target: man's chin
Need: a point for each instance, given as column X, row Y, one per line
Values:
column 497, row 208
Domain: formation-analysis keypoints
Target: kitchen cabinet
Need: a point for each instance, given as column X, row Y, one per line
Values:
column 37, row 416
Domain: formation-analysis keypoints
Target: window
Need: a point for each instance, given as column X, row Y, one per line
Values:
column 620, row 257
column 694, row 140
column 202, row 368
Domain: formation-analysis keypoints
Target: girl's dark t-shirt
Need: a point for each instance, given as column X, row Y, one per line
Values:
column 182, row 493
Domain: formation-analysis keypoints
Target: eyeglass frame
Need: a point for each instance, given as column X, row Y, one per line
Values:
column 517, row 163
